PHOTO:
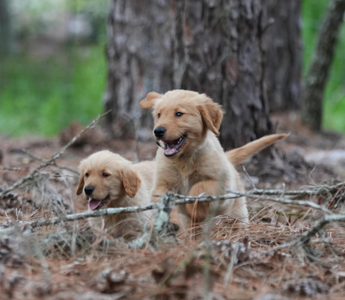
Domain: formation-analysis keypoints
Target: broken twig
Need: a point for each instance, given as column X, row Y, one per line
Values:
column 181, row 200
column 307, row 235
column 44, row 160
column 30, row 176
column 10, row 168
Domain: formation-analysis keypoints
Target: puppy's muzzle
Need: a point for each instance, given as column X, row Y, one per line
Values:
column 89, row 190
column 159, row 132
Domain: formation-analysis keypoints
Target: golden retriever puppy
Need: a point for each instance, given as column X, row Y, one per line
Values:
column 109, row 180
column 190, row 160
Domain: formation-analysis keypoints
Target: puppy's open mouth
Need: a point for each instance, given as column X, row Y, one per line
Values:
column 97, row 204
column 171, row 148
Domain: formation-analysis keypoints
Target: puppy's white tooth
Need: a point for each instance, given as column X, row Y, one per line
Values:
column 89, row 199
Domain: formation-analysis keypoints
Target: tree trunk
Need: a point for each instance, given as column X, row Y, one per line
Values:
column 139, row 61
column 218, row 48
column 282, row 53
column 321, row 63
column 5, row 28
column 213, row 47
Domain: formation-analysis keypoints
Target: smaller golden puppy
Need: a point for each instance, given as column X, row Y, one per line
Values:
column 109, row 180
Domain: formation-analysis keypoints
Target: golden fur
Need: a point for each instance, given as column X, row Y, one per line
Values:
column 200, row 164
column 239, row 155
column 127, row 184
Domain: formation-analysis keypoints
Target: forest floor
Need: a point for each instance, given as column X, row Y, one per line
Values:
column 67, row 261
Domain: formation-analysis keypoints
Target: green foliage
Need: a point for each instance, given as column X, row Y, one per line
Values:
column 334, row 98
column 96, row 8
column 42, row 93
column 43, row 97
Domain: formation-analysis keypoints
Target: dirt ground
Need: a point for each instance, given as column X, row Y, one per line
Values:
column 68, row 261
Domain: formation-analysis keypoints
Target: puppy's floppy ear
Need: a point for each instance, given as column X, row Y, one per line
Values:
column 80, row 185
column 212, row 113
column 131, row 181
column 150, row 100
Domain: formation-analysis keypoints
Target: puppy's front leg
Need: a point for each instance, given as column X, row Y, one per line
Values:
column 199, row 211
column 159, row 190
column 174, row 215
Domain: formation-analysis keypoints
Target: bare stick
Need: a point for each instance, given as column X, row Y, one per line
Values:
column 287, row 201
column 110, row 211
column 30, row 176
column 255, row 193
column 307, row 235
column 234, row 195
column 319, row 190
column 10, row 168
column 83, row 215
column 181, row 201
column 44, row 160
column 320, row 224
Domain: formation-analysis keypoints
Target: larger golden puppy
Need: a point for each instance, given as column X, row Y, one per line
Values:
column 109, row 180
column 191, row 160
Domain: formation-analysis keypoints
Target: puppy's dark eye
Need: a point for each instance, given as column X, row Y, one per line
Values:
column 105, row 175
column 159, row 115
column 87, row 174
column 179, row 114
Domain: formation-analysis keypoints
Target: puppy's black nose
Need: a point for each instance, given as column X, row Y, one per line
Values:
column 159, row 132
column 89, row 190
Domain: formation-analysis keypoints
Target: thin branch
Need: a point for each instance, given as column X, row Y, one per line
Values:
column 10, row 168
column 182, row 200
column 44, row 160
column 81, row 216
column 319, row 190
column 255, row 193
column 112, row 211
column 307, row 235
column 287, row 201
column 319, row 225
column 30, row 176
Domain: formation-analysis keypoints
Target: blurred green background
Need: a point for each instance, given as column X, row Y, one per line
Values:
column 57, row 72
column 334, row 98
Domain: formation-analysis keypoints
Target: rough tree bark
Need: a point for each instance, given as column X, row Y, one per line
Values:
column 321, row 63
column 213, row 47
column 5, row 28
column 218, row 49
column 139, row 61
column 282, row 43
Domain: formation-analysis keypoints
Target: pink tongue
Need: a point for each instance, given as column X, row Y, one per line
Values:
column 170, row 149
column 93, row 204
